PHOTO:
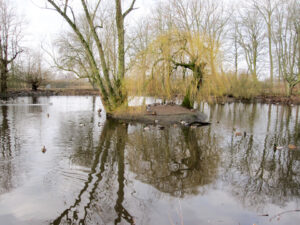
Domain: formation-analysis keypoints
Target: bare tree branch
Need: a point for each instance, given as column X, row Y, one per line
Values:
column 129, row 9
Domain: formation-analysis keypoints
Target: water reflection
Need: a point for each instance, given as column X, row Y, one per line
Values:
column 6, row 152
column 93, row 203
column 5, row 134
column 176, row 160
column 99, row 171
column 179, row 164
column 258, row 172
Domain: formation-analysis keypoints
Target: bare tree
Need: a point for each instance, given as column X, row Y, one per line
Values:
column 251, row 38
column 267, row 8
column 287, row 43
column 33, row 69
column 110, row 85
column 234, row 37
column 10, row 37
column 70, row 56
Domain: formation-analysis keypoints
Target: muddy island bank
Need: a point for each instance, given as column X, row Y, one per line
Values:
column 163, row 114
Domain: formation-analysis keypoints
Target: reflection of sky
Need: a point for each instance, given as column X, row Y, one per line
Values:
column 44, row 185
column 42, row 178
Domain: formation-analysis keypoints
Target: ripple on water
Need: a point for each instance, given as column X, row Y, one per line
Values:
column 121, row 174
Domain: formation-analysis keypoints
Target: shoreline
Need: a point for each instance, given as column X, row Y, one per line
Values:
column 49, row 92
column 295, row 100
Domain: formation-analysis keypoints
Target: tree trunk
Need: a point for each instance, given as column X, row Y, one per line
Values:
column 34, row 86
column 198, row 75
column 188, row 100
column 121, row 49
column 4, row 73
column 270, row 54
column 120, row 30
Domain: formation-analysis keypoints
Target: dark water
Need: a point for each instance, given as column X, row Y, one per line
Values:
column 97, row 171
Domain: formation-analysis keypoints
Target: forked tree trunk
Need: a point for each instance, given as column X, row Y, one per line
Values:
column 110, row 87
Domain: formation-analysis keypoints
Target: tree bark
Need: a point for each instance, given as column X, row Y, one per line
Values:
column 121, row 42
column 4, row 75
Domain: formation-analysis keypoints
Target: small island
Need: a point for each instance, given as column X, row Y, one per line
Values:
column 164, row 114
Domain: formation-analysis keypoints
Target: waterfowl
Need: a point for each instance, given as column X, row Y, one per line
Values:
column 184, row 123
column 148, row 108
column 238, row 134
column 291, row 146
column 277, row 147
column 146, row 128
column 161, row 127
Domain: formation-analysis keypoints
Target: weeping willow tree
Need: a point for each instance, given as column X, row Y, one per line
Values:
column 180, row 62
column 110, row 84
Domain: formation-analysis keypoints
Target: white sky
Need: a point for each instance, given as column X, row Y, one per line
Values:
column 43, row 25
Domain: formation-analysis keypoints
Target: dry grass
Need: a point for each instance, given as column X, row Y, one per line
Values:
column 129, row 110
column 242, row 86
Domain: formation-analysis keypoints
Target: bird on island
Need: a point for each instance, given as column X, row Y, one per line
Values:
column 146, row 128
column 44, row 149
column 184, row 123
column 148, row 108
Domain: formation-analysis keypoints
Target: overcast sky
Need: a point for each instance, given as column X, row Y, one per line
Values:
column 43, row 25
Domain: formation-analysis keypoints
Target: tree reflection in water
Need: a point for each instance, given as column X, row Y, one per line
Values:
column 9, row 148
column 257, row 172
column 180, row 161
column 183, row 161
column 6, row 153
column 94, row 202
column 176, row 160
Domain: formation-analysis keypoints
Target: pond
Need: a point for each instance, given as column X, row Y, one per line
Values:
column 98, row 171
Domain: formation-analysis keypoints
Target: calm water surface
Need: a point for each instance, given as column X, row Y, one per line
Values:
column 97, row 171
